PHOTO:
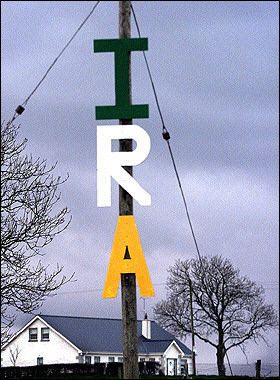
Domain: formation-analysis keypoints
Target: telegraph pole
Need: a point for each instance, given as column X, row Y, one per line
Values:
column 128, row 280
column 192, row 328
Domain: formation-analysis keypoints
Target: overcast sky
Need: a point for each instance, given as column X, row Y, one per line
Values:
column 215, row 68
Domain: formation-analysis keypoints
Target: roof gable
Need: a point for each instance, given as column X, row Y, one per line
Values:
column 45, row 323
column 177, row 347
column 13, row 337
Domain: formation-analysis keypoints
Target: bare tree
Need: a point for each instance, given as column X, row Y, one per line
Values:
column 229, row 309
column 14, row 355
column 29, row 220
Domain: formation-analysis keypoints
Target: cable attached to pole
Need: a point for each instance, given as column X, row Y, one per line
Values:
column 20, row 109
column 149, row 72
column 166, row 137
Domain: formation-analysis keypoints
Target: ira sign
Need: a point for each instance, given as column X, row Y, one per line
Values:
column 127, row 255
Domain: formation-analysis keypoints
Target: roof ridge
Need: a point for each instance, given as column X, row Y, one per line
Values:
column 159, row 340
column 74, row 316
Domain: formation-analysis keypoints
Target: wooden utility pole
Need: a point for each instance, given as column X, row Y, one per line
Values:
column 128, row 280
column 192, row 328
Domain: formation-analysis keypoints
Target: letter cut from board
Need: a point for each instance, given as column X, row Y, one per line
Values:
column 110, row 164
column 127, row 257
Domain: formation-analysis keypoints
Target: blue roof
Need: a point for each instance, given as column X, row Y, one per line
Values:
column 105, row 334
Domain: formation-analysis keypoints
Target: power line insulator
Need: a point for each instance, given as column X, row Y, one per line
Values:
column 20, row 110
column 166, row 135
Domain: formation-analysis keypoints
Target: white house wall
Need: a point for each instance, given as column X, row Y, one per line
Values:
column 54, row 351
column 174, row 353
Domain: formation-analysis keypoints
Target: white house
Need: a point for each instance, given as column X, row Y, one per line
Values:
column 49, row 339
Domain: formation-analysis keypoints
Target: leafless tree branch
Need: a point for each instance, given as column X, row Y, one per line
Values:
column 30, row 219
column 229, row 309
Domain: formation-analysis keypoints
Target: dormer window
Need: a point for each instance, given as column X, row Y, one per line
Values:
column 33, row 334
column 45, row 333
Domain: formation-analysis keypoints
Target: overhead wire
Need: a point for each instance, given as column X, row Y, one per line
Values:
column 149, row 72
column 166, row 137
column 19, row 110
column 93, row 290
column 99, row 290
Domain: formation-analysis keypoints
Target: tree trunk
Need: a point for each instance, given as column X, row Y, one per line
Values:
column 221, row 351
column 220, row 361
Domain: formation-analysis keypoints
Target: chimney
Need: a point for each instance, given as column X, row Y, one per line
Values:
column 146, row 327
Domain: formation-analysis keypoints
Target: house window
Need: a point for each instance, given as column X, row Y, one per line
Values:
column 87, row 359
column 120, row 359
column 33, row 334
column 97, row 359
column 111, row 359
column 45, row 333
column 40, row 361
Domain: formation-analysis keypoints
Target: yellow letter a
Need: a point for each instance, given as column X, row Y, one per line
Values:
column 127, row 257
